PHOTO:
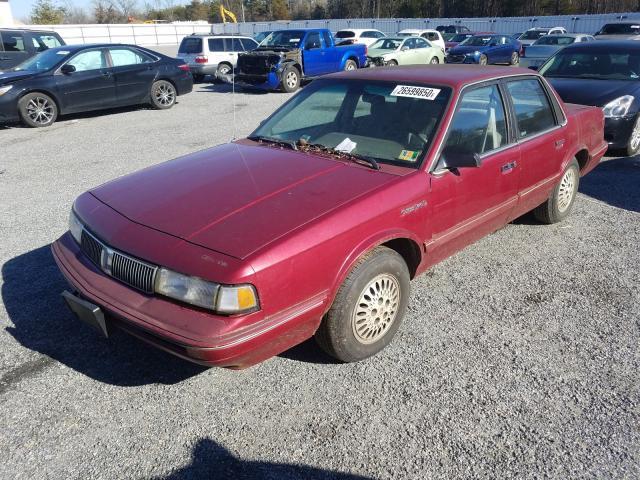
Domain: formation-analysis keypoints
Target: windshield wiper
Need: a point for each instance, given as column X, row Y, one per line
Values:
column 275, row 141
column 371, row 162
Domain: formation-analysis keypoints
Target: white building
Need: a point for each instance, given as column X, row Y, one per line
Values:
column 5, row 13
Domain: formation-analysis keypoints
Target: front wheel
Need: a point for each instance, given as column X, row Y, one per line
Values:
column 392, row 63
column 37, row 110
column 290, row 79
column 633, row 146
column 515, row 58
column 560, row 203
column 368, row 308
column 483, row 60
column 163, row 95
column 434, row 61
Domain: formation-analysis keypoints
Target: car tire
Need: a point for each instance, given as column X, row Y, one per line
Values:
column 350, row 65
column 515, row 58
column 561, row 200
column 37, row 110
column 434, row 61
column 163, row 95
column 484, row 60
column 290, row 79
column 633, row 145
column 392, row 63
column 368, row 308
column 198, row 78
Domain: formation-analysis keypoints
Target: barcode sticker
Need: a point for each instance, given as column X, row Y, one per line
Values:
column 424, row 93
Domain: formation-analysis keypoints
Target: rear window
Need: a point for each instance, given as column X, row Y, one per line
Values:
column 620, row 29
column 345, row 34
column 13, row 42
column 190, row 45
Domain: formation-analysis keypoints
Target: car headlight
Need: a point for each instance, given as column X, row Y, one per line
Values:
column 202, row 293
column 5, row 89
column 618, row 107
column 476, row 53
column 75, row 226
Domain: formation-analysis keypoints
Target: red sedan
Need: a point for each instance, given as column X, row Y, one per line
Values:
column 315, row 224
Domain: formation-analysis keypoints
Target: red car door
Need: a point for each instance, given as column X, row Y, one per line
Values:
column 468, row 203
column 541, row 139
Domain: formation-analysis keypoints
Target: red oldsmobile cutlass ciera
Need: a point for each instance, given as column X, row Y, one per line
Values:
column 316, row 223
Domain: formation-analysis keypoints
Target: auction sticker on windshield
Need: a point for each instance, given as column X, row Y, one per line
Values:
column 424, row 93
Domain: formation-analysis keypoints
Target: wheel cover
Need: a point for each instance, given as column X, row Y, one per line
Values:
column 291, row 79
column 224, row 70
column 350, row 66
column 376, row 309
column 514, row 57
column 40, row 110
column 635, row 136
column 483, row 60
column 435, row 60
column 165, row 94
column 567, row 190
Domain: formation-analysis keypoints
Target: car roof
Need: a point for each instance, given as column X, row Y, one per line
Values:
column 606, row 46
column 454, row 76
column 220, row 35
column 358, row 30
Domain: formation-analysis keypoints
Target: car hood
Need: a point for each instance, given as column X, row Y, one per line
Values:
column 592, row 92
column 541, row 51
column 12, row 76
column 238, row 197
column 463, row 49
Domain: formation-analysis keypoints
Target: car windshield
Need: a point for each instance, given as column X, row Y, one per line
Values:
column 554, row 40
column 620, row 29
column 389, row 122
column 386, row 44
column 533, row 34
column 596, row 65
column 459, row 37
column 43, row 61
column 284, row 38
column 479, row 41
column 261, row 36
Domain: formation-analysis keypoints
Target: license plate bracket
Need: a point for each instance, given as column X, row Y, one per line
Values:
column 86, row 311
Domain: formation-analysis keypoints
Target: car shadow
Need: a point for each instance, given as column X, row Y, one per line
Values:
column 229, row 88
column 615, row 182
column 211, row 460
column 308, row 352
column 41, row 322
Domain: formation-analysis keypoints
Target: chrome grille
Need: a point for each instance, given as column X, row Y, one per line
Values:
column 129, row 270
column 133, row 272
column 91, row 247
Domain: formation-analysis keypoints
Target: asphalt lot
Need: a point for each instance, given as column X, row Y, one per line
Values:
column 519, row 356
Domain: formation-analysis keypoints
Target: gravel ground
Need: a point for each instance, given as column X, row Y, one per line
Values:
column 518, row 357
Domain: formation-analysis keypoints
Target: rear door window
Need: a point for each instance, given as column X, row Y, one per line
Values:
column 191, row 45
column 13, row 42
column 531, row 104
column 327, row 39
column 124, row 56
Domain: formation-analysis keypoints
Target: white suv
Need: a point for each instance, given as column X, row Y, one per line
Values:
column 433, row 36
column 213, row 54
column 359, row 35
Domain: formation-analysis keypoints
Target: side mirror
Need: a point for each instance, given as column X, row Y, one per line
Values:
column 453, row 158
column 67, row 69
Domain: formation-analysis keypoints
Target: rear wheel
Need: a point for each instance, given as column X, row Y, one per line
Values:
column 290, row 79
column 350, row 65
column 368, row 308
column 634, row 139
column 163, row 95
column 515, row 58
column 483, row 60
column 223, row 69
column 37, row 110
column 560, row 203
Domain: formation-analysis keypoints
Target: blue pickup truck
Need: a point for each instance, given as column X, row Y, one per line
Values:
column 286, row 57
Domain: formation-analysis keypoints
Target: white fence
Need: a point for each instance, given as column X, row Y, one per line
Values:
column 172, row 34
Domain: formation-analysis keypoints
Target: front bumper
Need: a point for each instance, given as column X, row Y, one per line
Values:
column 262, row 81
column 190, row 333
column 617, row 131
column 9, row 107
column 461, row 59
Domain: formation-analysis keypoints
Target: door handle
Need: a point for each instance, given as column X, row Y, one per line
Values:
column 508, row 167
column 559, row 144
column 106, row 74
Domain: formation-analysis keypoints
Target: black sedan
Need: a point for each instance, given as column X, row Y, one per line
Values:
column 607, row 75
column 81, row 78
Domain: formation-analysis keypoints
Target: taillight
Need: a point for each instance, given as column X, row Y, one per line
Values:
column 366, row 50
column 201, row 59
column 184, row 67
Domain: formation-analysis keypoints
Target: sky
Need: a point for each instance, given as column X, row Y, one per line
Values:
column 22, row 8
